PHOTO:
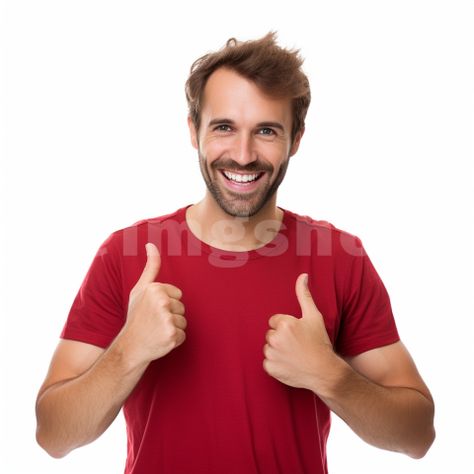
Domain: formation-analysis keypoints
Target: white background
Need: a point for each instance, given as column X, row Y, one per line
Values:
column 94, row 138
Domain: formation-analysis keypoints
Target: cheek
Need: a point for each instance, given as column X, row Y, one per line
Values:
column 277, row 157
column 213, row 149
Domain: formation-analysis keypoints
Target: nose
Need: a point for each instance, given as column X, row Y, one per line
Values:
column 244, row 151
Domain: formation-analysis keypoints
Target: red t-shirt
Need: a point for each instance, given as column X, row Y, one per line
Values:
column 208, row 406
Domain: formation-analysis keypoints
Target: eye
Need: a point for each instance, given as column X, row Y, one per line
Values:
column 266, row 131
column 222, row 128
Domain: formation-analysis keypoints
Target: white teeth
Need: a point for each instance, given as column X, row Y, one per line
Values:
column 241, row 178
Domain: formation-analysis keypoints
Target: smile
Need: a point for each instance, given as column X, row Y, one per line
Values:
column 242, row 178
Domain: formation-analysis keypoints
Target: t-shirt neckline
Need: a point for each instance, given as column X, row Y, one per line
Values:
column 271, row 248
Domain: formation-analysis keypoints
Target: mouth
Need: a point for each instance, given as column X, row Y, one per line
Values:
column 241, row 181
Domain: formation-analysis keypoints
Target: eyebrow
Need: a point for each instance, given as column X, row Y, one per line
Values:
column 222, row 121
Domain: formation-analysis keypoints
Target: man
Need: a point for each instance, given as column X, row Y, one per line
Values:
column 286, row 317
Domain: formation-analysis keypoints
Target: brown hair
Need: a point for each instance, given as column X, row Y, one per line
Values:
column 275, row 70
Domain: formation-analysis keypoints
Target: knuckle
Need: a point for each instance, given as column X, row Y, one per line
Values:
column 167, row 319
column 162, row 301
column 278, row 320
column 169, row 335
column 178, row 337
column 171, row 332
column 175, row 290
column 283, row 324
column 180, row 322
column 288, row 322
column 272, row 339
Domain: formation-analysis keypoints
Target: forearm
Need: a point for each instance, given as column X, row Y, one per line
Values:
column 394, row 418
column 77, row 411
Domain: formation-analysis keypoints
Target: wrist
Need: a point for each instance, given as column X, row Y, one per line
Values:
column 329, row 385
column 126, row 356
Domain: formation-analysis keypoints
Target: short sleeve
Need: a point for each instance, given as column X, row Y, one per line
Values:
column 97, row 314
column 367, row 321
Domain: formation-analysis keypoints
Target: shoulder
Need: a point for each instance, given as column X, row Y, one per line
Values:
column 322, row 236
column 177, row 216
column 126, row 240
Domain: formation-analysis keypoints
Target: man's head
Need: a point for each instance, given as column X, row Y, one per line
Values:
column 247, row 105
column 275, row 70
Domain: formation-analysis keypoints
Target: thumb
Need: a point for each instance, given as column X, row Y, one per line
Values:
column 305, row 299
column 152, row 266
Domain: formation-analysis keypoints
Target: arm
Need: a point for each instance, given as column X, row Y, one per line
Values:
column 86, row 386
column 82, row 394
column 379, row 393
column 382, row 397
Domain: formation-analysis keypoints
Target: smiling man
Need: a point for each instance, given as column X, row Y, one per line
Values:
column 228, row 329
column 243, row 155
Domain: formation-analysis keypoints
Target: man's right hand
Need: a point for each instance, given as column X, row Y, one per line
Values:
column 155, row 320
column 86, row 385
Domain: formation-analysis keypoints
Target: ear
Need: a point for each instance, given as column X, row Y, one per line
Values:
column 296, row 142
column 193, row 133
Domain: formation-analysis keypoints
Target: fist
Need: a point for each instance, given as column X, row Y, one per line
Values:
column 155, row 320
column 298, row 351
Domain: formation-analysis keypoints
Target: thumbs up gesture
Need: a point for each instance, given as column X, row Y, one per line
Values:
column 155, row 320
column 298, row 351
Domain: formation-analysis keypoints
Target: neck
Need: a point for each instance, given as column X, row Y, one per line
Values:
column 210, row 224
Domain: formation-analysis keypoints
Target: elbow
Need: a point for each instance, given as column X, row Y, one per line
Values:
column 419, row 451
column 426, row 434
column 48, row 446
column 47, row 438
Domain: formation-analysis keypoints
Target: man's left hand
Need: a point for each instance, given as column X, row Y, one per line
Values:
column 298, row 351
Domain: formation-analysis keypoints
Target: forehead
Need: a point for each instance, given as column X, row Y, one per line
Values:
column 231, row 95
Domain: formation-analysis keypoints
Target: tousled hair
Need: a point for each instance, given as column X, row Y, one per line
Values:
column 275, row 70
